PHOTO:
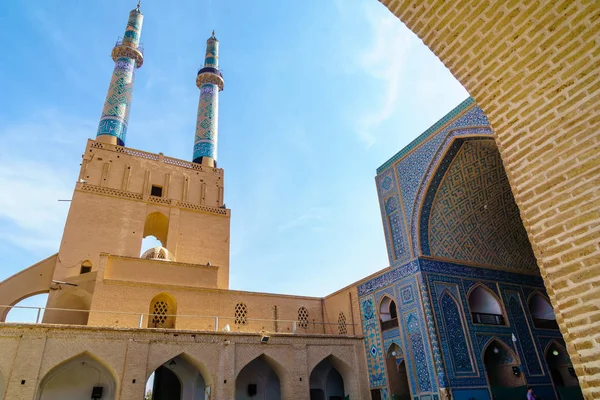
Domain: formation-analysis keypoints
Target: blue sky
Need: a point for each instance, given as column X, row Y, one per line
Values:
column 317, row 95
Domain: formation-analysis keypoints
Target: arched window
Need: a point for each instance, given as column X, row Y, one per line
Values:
column 240, row 314
column 303, row 317
column 156, row 225
column 343, row 330
column 542, row 312
column 388, row 315
column 485, row 307
column 163, row 311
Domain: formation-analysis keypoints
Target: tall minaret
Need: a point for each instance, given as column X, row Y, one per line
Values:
column 128, row 56
column 210, row 82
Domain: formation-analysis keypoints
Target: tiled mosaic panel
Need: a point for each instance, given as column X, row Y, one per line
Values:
column 115, row 114
column 412, row 168
column 416, row 341
column 134, row 29
column 453, row 324
column 374, row 352
column 525, row 342
column 432, row 333
column 205, row 141
column 396, row 234
column 388, row 278
column 474, row 217
column 398, row 237
column 440, row 277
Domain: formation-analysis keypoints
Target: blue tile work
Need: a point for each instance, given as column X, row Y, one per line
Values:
column 373, row 342
column 394, row 225
column 525, row 341
column 431, row 331
column 403, row 285
column 416, row 163
column 205, row 141
column 470, row 214
column 115, row 114
column 459, row 354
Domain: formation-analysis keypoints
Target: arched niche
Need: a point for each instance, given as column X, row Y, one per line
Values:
column 181, row 377
column 259, row 380
column 468, row 212
column 541, row 312
column 73, row 306
column 157, row 225
column 388, row 313
column 162, row 312
column 326, row 382
column 562, row 372
column 396, row 372
column 76, row 378
column 503, row 371
column 485, row 306
column 35, row 314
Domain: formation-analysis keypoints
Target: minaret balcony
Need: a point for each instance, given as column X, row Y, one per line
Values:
column 127, row 49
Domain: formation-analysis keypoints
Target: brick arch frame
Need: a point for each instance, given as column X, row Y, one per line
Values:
column 532, row 67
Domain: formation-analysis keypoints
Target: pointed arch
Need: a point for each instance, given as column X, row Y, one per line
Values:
column 502, row 366
column 163, row 311
column 76, row 376
column 157, row 225
column 541, row 311
column 388, row 313
column 262, row 376
column 485, row 306
column 393, row 351
column 190, row 359
column 329, row 378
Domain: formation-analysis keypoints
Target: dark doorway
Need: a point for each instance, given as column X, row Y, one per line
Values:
column 562, row 373
column 504, row 373
column 166, row 385
column 326, row 383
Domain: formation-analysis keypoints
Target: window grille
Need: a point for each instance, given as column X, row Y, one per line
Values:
column 159, row 315
column 240, row 314
column 342, row 324
column 303, row 317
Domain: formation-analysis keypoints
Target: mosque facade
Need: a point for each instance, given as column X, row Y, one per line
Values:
column 460, row 313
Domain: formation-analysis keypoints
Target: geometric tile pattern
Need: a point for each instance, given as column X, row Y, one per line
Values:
column 115, row 114
column 388, row 278
column 459, row 350
column 205, row 141
column 372, row 334
column 524, row 340
column 474, row 216
column 398, row 233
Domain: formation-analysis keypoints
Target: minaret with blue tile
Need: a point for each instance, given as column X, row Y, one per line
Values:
column 128, row 56
column 210, row 82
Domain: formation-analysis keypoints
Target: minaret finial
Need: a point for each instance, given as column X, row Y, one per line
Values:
column 138, row 5
column 210, row 82
column 127, row 56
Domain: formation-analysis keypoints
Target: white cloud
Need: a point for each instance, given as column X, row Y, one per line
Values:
column 384, row 60
column 38, row 166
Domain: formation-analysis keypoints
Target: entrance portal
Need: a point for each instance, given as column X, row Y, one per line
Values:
column 503, row 372
column 326, row 383
column 258, row 381
column 179, row 378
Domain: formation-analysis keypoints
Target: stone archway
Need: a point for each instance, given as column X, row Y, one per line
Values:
column 77, row 378
column 258, row 380
column 532, row 67
column 181, row 377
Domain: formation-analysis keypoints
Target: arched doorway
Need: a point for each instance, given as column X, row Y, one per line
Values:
column 396, row 371
column 326, row 382
column 504, row 375
column 258, row 381
column 485, row 307
column 562, row 373
column 180, row 377
column 78, row 378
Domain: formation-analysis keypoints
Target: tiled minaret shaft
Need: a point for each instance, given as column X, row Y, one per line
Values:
column 210, row 82
column 128, row 56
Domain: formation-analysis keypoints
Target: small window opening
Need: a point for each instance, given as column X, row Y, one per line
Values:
column 156, row 191
column 86, row 267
